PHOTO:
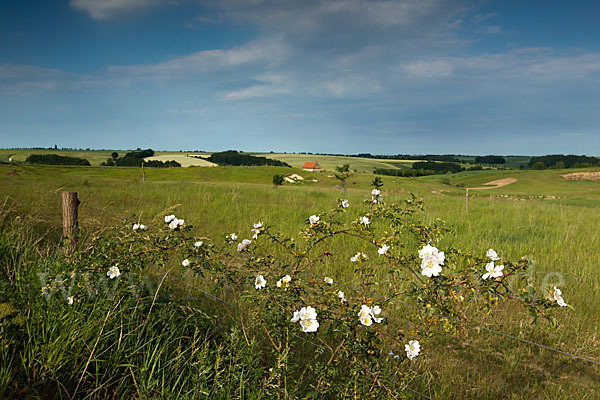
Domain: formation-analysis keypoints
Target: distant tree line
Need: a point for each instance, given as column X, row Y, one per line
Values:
column 427, row 157
column 135, row 159
column 55, row 159
column 422, row 168
column 562, row 161
column 402, row 172
column 233, row 157
column 438, row 167
column 490, row 159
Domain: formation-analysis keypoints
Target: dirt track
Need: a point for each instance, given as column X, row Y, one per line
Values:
column 496, row 184
column 582, row 176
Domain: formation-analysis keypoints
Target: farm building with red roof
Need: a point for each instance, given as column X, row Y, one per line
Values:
column 311, row 166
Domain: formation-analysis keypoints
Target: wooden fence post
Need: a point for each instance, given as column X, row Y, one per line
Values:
column 70, row 203
column 467, row 201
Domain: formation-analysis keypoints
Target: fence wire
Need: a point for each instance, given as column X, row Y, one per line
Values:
column 422, row 309
column 214, row 297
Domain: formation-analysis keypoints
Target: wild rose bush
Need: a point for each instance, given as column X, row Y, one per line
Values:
column 319, row 336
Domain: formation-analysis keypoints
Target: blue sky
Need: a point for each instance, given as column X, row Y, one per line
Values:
column 344, row 76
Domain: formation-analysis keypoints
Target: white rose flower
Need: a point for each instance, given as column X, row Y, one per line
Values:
column 493, row 271
column 365, row 221
column 433, row 259
column 233, row 237
column 366, row 320
column 309, row 325
column 357, row 256
column 367, row 315
column 375, row 196
column 307, row 317
column 345, row 204
column 256, row 230
column 113, row 272
column 143, row 227
column 557, row 295
column 430, row 267
column 136, row 227
column 427, row 251
column 176, row 223
column 284, row 281
column 243, row 244
column 198, row 244
column 328, row 280
column 342, row 297
column 260, row 282
column 185, row 263
column 492, row 255
column 308, row 313
column 382, row 250
column 313, row 219
column 169, row 218
column 69, row 300
column 296, row 316
column 413, row 348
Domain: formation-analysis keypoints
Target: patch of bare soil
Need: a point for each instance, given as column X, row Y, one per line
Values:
column 583, row 176
column 495, row 184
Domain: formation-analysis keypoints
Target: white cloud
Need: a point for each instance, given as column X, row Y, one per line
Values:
column 255, row 91
column 479, row 18
column 429, row 69
column 351, row 87
column 262, row 52
column 109, row 9
column 493, row 29
column 533, row 64
column 26, row 78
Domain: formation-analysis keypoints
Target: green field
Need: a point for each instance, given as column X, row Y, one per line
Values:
column 95, row 157
column 328, row 163
column 511, row 161
column 541, row 215
column 186, row 159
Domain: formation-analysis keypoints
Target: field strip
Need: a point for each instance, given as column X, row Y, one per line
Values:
column 183, row 159
column 582, row 176
column 496, row 184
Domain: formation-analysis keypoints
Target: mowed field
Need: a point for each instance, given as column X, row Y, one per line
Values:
column 96, row 157
column 328, row 163
column 541, row 215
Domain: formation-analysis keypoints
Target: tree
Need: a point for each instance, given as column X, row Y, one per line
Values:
column 538, row 165
column 377, row 182
column 342, row 173
column 278, row 180
column 343, row 168
column 490, row 159
column 114, row 155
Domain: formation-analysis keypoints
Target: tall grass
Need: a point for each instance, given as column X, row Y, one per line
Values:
column 559, row 235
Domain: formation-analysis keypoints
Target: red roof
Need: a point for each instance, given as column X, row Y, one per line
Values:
column 310, row 165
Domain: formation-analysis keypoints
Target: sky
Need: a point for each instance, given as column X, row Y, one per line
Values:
column 340, row 76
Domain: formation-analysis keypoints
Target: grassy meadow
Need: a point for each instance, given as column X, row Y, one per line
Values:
column 551, row 220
